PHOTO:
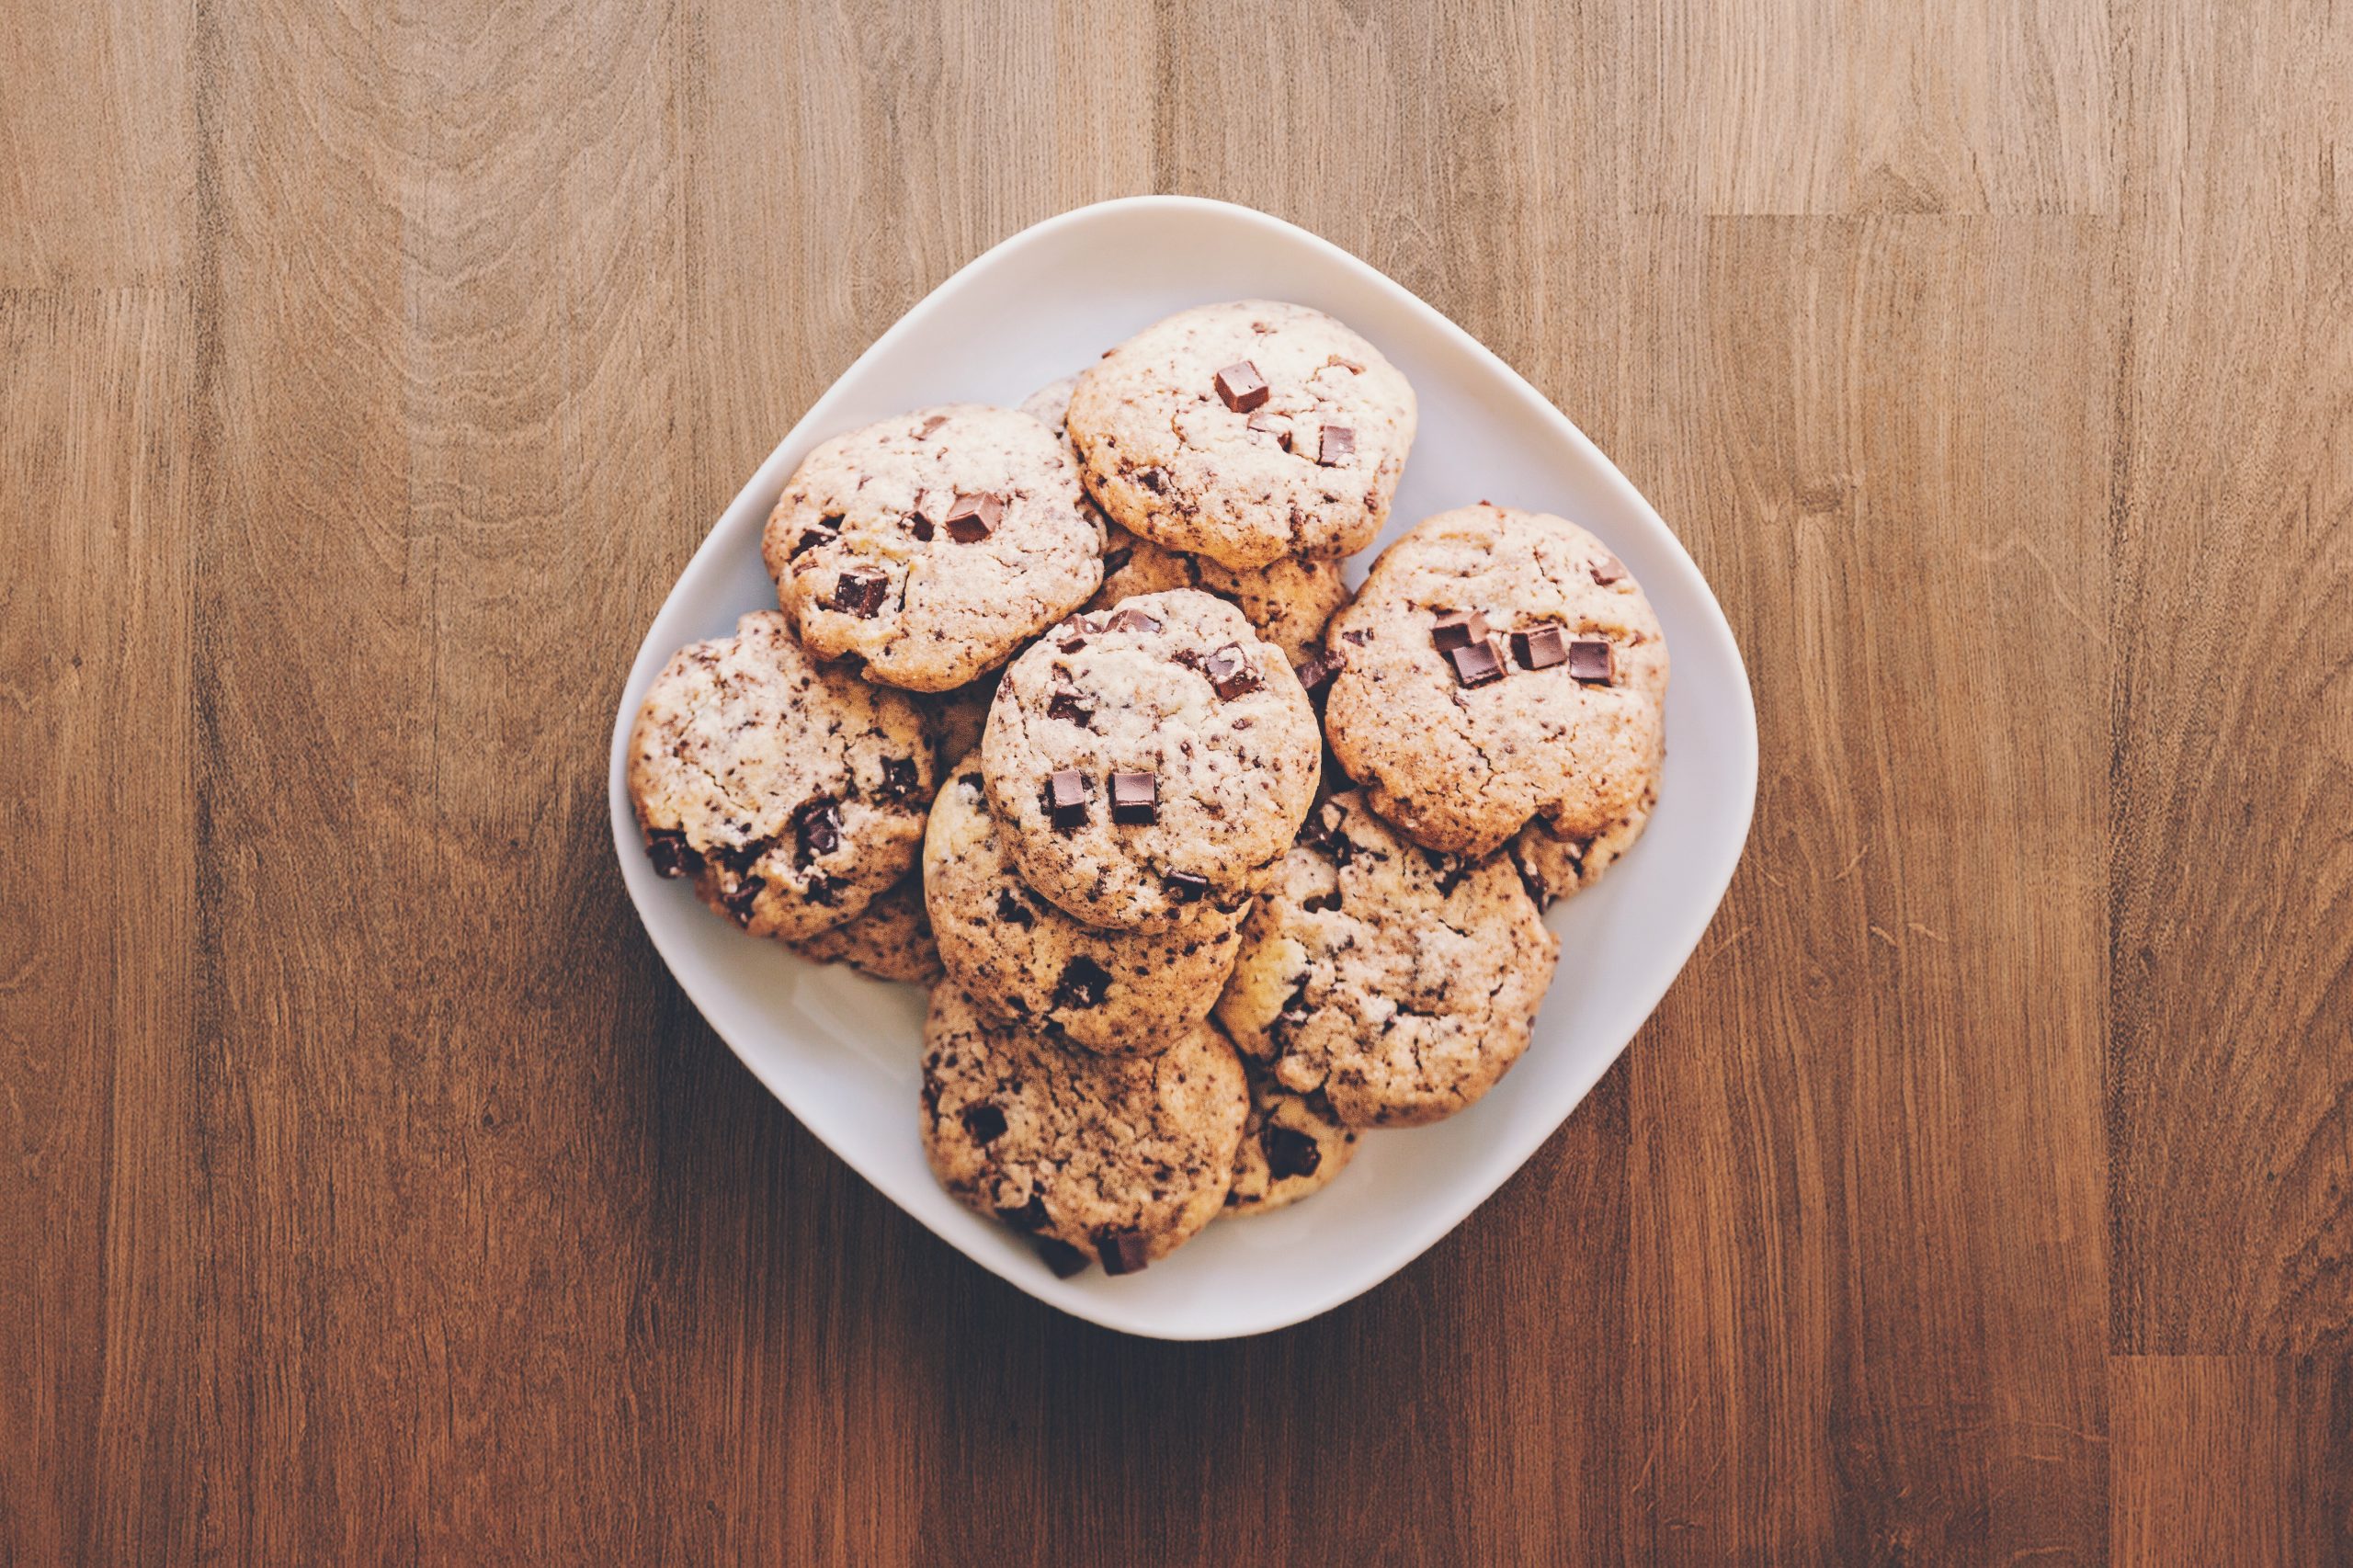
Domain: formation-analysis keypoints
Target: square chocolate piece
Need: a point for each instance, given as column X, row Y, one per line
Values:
column 1229, row 672
column 1460, row 630
column 1135, row 799
column 1539, row 647
column 1475, row 664
column 1185, row 887
column 1338, row 446
column 1122, row 1251
column 1241, row 386
column 1130, row 620
column 859, row 591
column 1608, row 570
column 1592, row 662
column 1066, row 799
column 973, row 518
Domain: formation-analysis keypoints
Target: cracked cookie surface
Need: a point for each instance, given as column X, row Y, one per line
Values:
column 1023, row 960
column 1398, row 982
column 1287, row 600
column 932, row 545
column 1292, row 1146
column 1550, row 703
column 1245, row 432
column 1559, row 865
column 1173, row 699
column 1116, row 1159
column 889, row 939
column 791, row 791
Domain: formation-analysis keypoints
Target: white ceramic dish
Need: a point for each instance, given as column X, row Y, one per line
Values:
column 841, row 1050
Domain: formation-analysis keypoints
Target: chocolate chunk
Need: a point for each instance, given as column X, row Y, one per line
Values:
column 823, row 890
column 898, row 776
column 1066, row 799
column 666, row 848
column 984, row 1122
column 1448, row 868
column 1152, row 479
column 1061, row 1256
column 1289, row 1153
column 1476, row 663
column 1083, row 983
column 934, row 423
column 1268, row 423
column 736, row 859
column 1012, row 911
column 1122, row 1251
column 1117, row 562
column 1229, row 672
column 819, row 824
column 1071, row 707
column 1135, row 799
column 1592, row 662
column 1539, row 647
column 1608, row 570
column 1361, row 638
column 1338, row 446
column 1317, row 668
column 920, row 525
column 1030, row 1216
column 1130, row 620
column 1184, row 887
column 972, row 781
column 859, row 591
column 1073, row 633
column 973, row 518
column 810, row 539
column 1321, row 903
column 1460, row 630
column 1242, row 386
column 740, row 899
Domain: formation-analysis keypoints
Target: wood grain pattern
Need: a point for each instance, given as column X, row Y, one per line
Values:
column 1982, row 1192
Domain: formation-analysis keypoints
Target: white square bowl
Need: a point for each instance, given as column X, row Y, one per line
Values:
column 841, row 1050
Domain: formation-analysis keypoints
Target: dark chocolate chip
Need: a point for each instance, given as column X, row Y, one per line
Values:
column 1241, row 386
column 1361, row 638
column 984, row 1122
column 810, row 539
column 1229, row 672
column 823, row 890
column 1452, row 631
column 1184, row 887
column 1593, row 661
column 859, row 591
column 1130, row 620
column 1539, row 647
column 1338, row 446
column 1061, row 1256
column 740, row 900
column 819, row 824
column 1289, row 1153
column 1450, row 870
column 1071, row 707
column 1608, row 570
column 1117, row 562
column 934, row 423
column 973, row 518
column 1135, row 799
column 666, row 848
column 1322, row 903
column 1268, row 423
column 1476, row 663
column 972, row 781
column 1083, row 983
column 1030, row 1216
column 899, row 777
column 1317, row 668
column 736, row 859
column 1152, row 479
column 1122, row 1251
column 1066, row 799
column 1012, row 911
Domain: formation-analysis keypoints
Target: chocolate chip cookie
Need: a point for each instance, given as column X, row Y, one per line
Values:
column 1117, row 1159
column 1556, row 865
column 889, row 939
column 1292, row 1146
column 1023, row 960
column 1148, row 763
column 1398, row 982
column 1245, row 432
column 792, row 792
column 1287, row 600
column 931, row 546
column 1499, row 666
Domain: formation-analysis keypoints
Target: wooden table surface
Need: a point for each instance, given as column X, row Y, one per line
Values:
column 1982, row 1192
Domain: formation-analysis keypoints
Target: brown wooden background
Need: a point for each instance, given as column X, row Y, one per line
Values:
column 1983, row 1190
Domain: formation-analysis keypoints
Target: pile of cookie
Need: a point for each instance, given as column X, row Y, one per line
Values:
column 1068, row 713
